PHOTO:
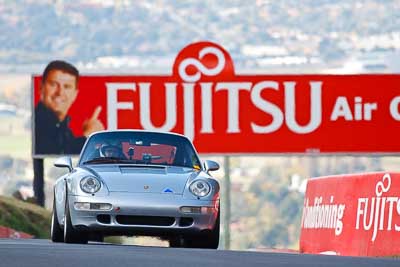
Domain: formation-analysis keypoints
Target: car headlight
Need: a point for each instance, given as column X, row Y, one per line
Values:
column 90, row 184
column 200, row 188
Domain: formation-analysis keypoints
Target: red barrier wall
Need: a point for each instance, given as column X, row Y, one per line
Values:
column 6, row 232
column 353, row 215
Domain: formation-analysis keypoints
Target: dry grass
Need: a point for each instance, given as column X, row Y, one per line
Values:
column 25, row 217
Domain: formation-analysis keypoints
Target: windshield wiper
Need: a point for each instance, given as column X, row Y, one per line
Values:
column 104, row 160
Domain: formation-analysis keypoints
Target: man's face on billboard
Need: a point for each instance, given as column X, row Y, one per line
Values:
column 59, row 91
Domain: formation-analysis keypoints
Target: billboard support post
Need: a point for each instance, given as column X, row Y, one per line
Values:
column 227, row 203
column 38, row 181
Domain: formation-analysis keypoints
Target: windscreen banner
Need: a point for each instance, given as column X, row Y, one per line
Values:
column 352, row 215
column 220, row 111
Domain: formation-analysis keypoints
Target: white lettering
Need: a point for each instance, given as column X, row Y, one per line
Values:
column 391, row 201
column 113, row 105
column 368, row 108
column 341, row 109
column 375, row 213
column 323, row 216
column 359, row 211
column 362, row 111
column 233, row 103
column 339, row 223
column 382, row 218
column 378, row 200
column 358, row 108
column 145, row 120
column 206, row 108
column 267, row 107
column 290, row 108
column 371, row 214
column 396, row 227
column 394, row 108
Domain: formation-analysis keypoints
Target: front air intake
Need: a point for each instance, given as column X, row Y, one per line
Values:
column 184, row 222
column 145, row 220
column 104, row 218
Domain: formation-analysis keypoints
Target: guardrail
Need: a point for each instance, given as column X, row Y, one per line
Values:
column 352, row 215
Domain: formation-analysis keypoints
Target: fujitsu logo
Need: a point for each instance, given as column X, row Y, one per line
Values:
column 207, row 68
column 200, row 67
column 371, row 211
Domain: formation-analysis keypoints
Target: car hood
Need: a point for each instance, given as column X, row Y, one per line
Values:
column 144, row 179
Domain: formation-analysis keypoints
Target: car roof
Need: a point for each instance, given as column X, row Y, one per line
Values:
column 136, row 131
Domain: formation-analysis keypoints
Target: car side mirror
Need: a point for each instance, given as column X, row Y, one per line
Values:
column 64, row 162
column 210, row 165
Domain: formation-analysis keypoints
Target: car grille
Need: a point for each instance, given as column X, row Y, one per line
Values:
column 145, row 220
column 184, row 222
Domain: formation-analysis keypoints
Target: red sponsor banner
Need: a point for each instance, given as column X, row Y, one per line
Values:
column 227, row 113
column 352, row 215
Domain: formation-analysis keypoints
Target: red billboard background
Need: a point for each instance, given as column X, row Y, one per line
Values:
column 226, row 113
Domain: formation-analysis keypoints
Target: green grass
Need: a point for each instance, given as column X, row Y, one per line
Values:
column 25, row 217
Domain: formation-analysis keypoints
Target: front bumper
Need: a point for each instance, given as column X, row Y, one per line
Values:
column 145, row 205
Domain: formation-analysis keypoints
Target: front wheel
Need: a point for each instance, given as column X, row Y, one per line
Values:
column 56, row 231
column 213, row 237
column 71, row 235
column 207, row 240
column 176, row 242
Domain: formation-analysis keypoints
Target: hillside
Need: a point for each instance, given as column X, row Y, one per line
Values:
column 91, row 31
column 24, row 217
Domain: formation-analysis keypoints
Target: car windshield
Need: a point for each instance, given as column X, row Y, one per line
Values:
column 140, row 148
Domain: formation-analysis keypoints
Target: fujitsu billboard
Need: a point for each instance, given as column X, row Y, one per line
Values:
column 228, row 113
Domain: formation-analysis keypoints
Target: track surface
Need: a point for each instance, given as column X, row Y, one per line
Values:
column 44, row 253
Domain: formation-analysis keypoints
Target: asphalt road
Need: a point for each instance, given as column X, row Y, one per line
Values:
column 44, row 253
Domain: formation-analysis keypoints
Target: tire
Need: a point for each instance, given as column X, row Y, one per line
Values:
column 208, row 240
column 96, row 237
column 176, row 242
column 70, row 234
column 213, row 236
column 56, row 231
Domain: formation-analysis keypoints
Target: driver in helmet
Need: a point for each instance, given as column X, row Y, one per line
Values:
column 111, row 150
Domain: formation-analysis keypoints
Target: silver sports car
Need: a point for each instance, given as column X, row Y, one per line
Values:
column 137, row 183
